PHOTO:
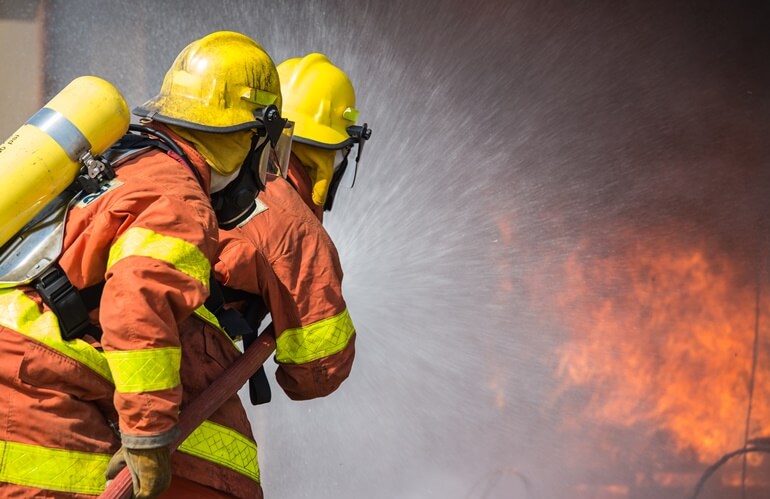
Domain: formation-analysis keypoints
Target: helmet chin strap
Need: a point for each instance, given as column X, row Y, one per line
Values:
column 360, row 135
column 339, row 172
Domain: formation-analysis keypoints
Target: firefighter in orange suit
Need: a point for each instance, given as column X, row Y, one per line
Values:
column 75, row 411
column 283, row 255
column 319, row 98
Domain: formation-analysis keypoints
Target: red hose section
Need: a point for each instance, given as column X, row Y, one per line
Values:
column 209, row 401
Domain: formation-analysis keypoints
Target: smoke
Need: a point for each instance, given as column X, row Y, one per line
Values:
column 505, row 134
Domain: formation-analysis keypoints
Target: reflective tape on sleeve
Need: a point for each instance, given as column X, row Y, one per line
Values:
column 182, row 255
column 22, row 314
column 145, row 370
column 224, row 446
column 315, row 341
column 53, row 469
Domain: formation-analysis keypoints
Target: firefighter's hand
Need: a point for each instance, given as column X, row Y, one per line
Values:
column 150, row 470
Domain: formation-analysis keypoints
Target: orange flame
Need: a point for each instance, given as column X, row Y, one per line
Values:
column 663, row 338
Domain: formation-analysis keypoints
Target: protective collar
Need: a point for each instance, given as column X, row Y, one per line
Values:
column 319, row 164
column 224, row 152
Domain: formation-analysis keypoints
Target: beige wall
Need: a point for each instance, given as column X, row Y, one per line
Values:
column 21, row 78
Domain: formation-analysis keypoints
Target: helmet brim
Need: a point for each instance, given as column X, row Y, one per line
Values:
column 320, row 136
column 150, row 110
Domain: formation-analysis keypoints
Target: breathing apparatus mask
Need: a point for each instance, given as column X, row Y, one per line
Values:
column 358, row 135
column 234, row 197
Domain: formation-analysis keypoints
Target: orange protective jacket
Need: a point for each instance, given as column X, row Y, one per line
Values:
column 284, row 255
column 151, row 236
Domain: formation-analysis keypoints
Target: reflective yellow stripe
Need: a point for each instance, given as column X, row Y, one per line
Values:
column 315, row 341
column 153, row 369
column 221, row 445
column 20, row 313
column 52, row 469
column 145, row 370
column 185, row 257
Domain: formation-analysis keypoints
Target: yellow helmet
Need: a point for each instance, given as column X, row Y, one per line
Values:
column 218, row 83
column 319, row 99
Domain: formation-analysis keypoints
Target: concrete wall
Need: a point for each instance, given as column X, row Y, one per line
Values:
column 21, row 43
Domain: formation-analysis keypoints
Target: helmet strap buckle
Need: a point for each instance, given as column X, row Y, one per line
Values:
column 272, row 121
column 359, row 134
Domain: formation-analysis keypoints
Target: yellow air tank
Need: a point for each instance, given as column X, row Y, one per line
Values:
column 45, row 155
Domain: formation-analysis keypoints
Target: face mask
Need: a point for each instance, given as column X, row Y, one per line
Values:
column 341, row 164
column 236, row 201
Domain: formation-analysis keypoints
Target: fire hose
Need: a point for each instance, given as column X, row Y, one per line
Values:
column 711, row 469
column 206, row 403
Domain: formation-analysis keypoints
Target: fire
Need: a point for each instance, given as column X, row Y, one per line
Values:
column 662, row 338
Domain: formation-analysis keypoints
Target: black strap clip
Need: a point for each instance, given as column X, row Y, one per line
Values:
column 244, row 326
column 65, row 301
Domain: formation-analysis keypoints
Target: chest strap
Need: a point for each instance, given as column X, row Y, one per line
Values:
column 245, row 325
column 69, row 305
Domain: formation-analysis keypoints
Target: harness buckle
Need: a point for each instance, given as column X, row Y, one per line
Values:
column 65, row 301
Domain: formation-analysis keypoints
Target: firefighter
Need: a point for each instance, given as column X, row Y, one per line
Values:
column 75, row 411
column 283, row 257
column 282, row 262
column 319, row 98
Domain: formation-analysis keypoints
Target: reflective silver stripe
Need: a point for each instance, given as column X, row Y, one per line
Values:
column 62, row 130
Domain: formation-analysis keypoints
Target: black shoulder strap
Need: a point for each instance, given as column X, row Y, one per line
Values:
column 70, row 305
column 246, row 325
column 67, row 304
column 144, row 136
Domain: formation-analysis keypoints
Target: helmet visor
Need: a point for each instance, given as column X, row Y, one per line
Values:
column 283, row 148
column 264, row 163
